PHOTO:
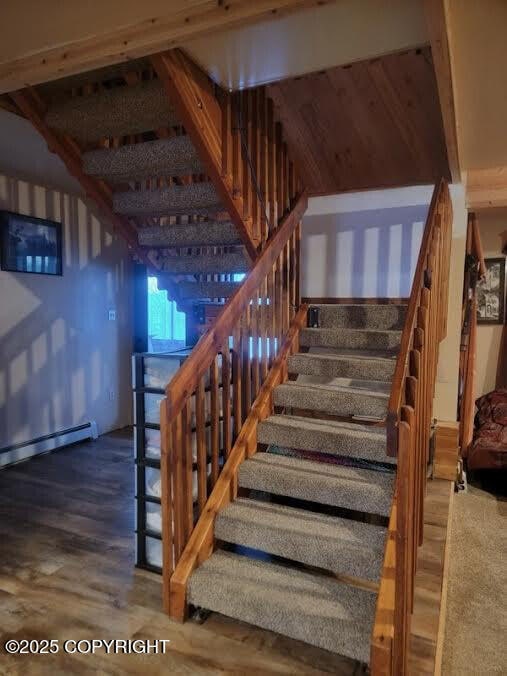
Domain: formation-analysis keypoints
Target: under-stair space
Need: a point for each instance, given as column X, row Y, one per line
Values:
column 302, row 547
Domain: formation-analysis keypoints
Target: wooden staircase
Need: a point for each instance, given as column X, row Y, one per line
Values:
column 332, row 420
column 193, row 178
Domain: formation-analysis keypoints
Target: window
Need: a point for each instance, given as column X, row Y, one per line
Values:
column 166, row 325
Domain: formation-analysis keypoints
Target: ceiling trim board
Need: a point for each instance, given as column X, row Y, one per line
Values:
column 437, row 28
column 143, row 38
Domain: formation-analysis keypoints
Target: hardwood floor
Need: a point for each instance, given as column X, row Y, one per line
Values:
column 67, row 572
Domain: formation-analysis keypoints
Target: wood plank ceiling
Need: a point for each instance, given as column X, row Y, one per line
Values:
column 371, row 124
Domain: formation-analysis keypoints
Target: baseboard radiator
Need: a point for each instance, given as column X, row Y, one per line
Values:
column 49, row 442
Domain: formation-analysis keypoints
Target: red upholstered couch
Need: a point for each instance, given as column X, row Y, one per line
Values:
column 489, row 447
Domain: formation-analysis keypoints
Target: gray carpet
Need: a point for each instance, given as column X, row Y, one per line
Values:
column 174, row 156
column 476, row 620
column 113, row 112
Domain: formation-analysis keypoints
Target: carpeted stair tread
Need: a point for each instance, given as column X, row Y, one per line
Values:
column 360, row 339
column 192, row 199
column 365, row 316
column 113, row 112
column 312, row 608
column 331, row 399
column 174, row 156
column 325, row 436
column 205, row 290
column 206, row 233
column 336, row 366
column 228, row 263
column 332, row 543
column 363, row 490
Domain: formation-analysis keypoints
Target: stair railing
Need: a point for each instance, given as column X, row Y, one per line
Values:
column 212, row 393
column 409, row 423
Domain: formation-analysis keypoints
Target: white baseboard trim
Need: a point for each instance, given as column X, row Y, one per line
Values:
column 50, row 442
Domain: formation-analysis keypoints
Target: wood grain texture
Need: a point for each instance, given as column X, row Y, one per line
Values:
column 486, row 188
column 439, row 40
column 372, row 124
column 148, row 36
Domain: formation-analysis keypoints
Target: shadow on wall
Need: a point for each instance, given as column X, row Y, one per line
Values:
column 362, row 254
column 62, row 362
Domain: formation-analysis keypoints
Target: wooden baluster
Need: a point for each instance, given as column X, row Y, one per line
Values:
column 271, row 314
column 254, row 149
column 286, row 199
column 403, row 563
column 236, row 381
column 420, row 479
column 246, row 131
column 264, row 328
column 177, row 463
column 226, row 398
column 214, row 420
column 285, row 287
column 279, row 297
column 188, row 514
column 272, row 174
column 293, row 274
column 411, row 386
column 298, row 265
column 226, row 106
column 237, row 159
column 263, row 172
column 246, row 361
column 202, row 460
column 255, row 346
column 280, row 182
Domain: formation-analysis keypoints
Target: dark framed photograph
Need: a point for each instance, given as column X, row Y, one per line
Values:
column 29, row 244
column 491, row 293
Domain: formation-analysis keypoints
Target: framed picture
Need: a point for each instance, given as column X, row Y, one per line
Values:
column 491, row 293
column 30, row 244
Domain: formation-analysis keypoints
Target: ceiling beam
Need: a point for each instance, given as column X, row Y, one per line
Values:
column 486, row 188
column 437, row 29
column 146, row 37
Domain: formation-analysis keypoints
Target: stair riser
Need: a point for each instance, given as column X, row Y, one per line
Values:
column 350, row 340
column 382, row 317
column 166, row 157
column 205, row 290
column 194, row 265
column 321, row 614
column 354, row 446
column 214, row 233
column 331, row 402
column 319, row 489
column 117, row 112
column 334, row 368
column 198, row 199
column 312, row 550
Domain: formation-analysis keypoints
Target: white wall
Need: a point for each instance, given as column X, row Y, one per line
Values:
column 365, row 245
column 446, row 389
column 493, row 228
column 361, row 245
column 61, row 359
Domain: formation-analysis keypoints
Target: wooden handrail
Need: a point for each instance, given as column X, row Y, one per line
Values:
column 192, row 370
column 409, row 422
column 395, row 398
column 201, row 543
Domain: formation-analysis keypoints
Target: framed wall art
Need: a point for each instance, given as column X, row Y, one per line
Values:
column 491, row 293
column 29, row 244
